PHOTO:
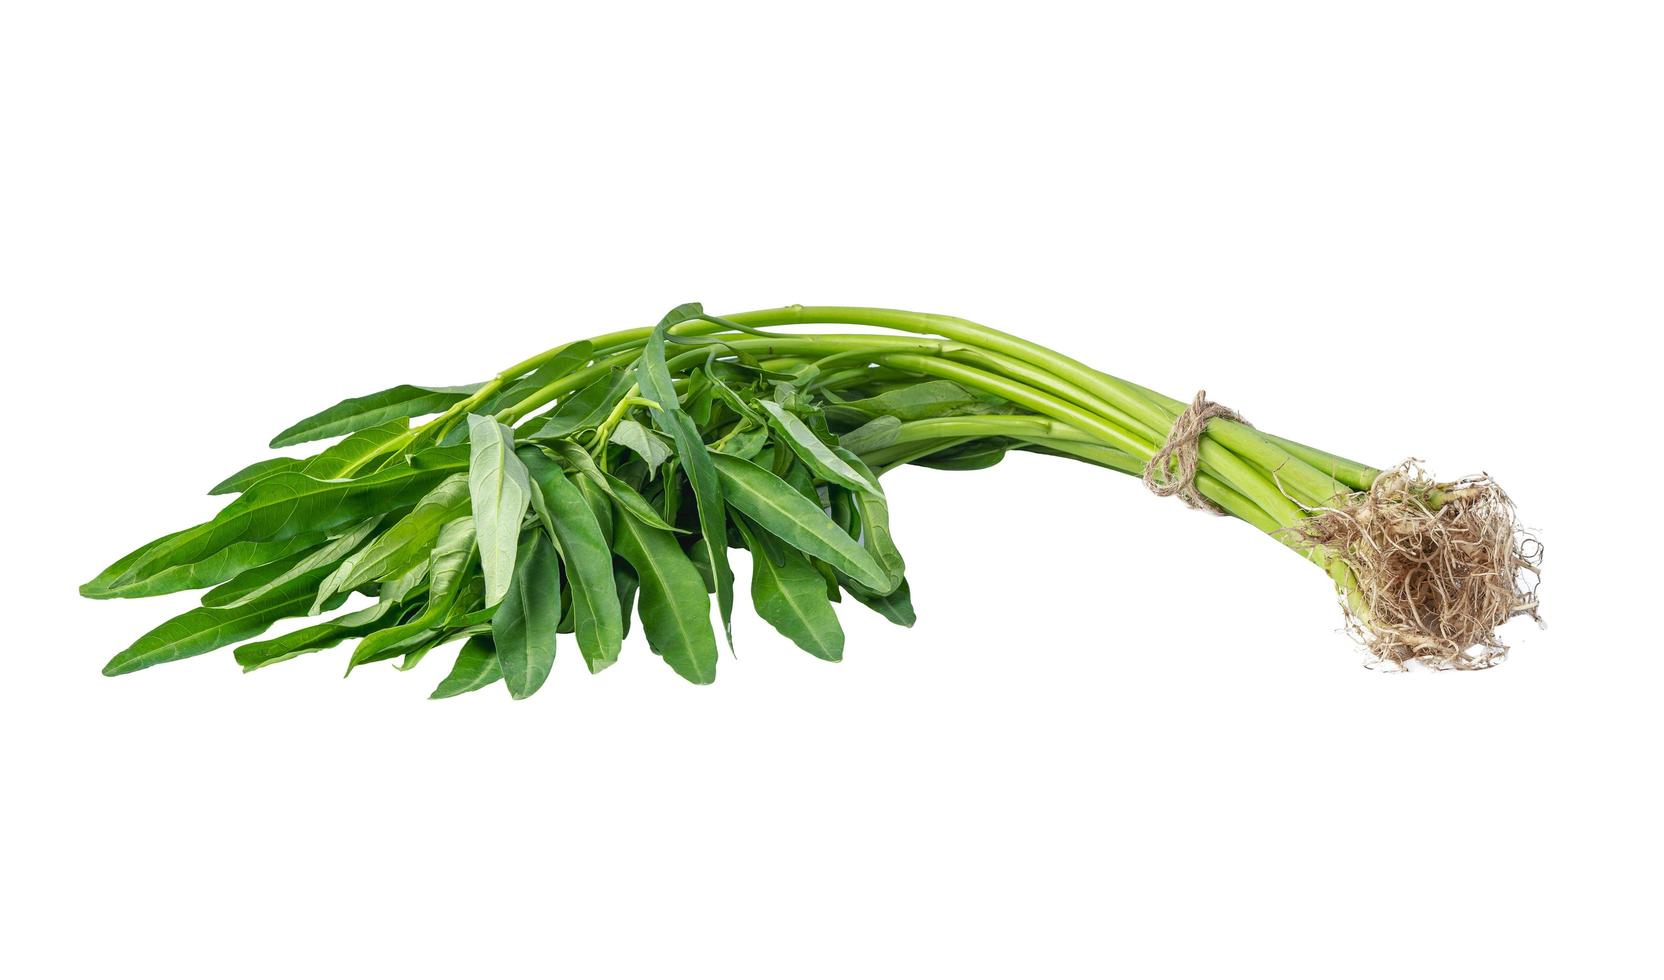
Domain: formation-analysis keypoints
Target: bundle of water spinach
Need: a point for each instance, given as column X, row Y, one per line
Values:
column 613, row 475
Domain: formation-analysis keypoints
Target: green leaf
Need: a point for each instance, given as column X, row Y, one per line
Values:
column 873, row 512
column 975, row 455
column 675, row 611
column 571, row 358
column 646, row 443
column 257, row 582
column 253, row 473
column 621, row 492
column 412, row 647
column 698, row 400
column 815, row 454
column 405, row 544
column 929, row 399
column 830, row 579
column 600, row 504
column 791, row 597
column 840, row 503
column 896, row 606
column 670, row 494
column 653, row 375
column 524, row 626
column 476, row 667
column 359, row 450
column 399, row 401
column 733, row 400
column 289, row 505
column 539, row 506
column 117, row 582
column 500, row 491
column 799, row 522
column 746, row 443
column 439, row 457
column 583, row 549
column 798, row 477
column 466, row 612
column 202, row 630
column 453, row 554
column 414, row 656
column 624, row 579
column 586, row 408
column 568, row 615
column 880, row 433
column 320, row 636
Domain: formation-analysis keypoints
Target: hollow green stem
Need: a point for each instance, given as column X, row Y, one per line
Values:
column 630, row 400
column 1220, row 493
column 1296, row 476
column 927, row 437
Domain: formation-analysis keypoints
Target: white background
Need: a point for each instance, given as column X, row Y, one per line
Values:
column 1124, row 739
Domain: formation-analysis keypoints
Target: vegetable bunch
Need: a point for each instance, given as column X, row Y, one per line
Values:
column 613, row 475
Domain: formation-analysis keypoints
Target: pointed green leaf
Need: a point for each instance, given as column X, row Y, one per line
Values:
column 352, row 414
column 257, row 582
column 453, row 555
column 746, row 443
column 525, row 625
column 633, row 435
column 320, row 636
column 624, row 579
column 499, row 490
column 230, row 561
column 794, row 519
column 475, row 668
column 880, row 433
column 202, row 630
column 253, row 473
column 585, row 408
column 600, row 504
column 583, row 550
column 976, row 454
column 873, row 512
column 816, row 455
column 412, row 647
column 653, row 375
column 612, row 486
column 571, row 358
column 897, row 606
column 675, row 611
column 288, row 505
column 791, row 597
column 359, row 450
column 405, row 544
column 733, row 400
column 929, row 399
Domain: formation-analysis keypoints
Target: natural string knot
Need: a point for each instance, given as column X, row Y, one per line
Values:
column 1171, row 472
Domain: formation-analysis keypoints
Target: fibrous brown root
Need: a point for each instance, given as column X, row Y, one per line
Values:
column 1439, row 566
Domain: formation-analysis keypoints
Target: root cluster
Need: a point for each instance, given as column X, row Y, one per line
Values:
column 1439, row 567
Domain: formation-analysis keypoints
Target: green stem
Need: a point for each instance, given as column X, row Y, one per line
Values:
column 890, row 457
column 1068, row 440
column 1355, row 475
column 604, row 430
column 1296, row 476
column 1221, row 494
column 1239, row 474
column 1028, row 427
